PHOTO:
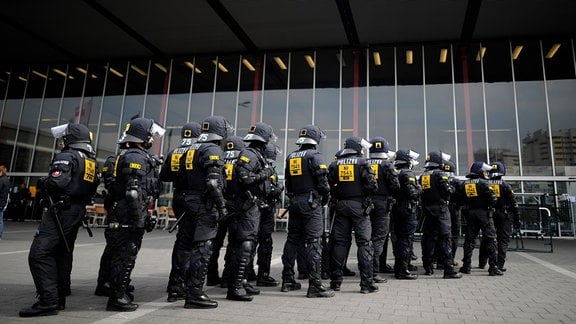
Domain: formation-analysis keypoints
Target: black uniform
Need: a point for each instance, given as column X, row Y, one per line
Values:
column 352, row 182
column 72, row 181
column 436, row 224
column 505, row 214
column 478, row 203
column 307, row 185
column 202, row 173
column 388, row 187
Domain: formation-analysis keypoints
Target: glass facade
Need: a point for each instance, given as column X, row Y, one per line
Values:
column 491, row 101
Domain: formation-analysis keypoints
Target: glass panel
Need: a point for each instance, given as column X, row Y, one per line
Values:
column 559, row 65
column 12, row 108
column 202, row 88
column 137, row 77
column 226, row 87
column 354, row 104
column 250, row 92
column 155, row 101
column 471, row 128
column 327, row 96
column 500, row 107
column 532, row 116
column 410, row 100
column 440, row 100
column 177, row 112
column 72, row 111
column 92, row 102
column 382, row 120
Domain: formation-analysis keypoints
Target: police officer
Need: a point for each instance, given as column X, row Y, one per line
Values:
column 388, row 187
column 478, row 201
column 506, row 206
column 202, row 201
column 404, row 211
column 266, row 227
column 170, row 173
column 436, row 225
column 254, row 177
column 454, row 207
column 233, row 146
column 137, row 183
column 307, row 185
column 352, row 181
column 71, row 182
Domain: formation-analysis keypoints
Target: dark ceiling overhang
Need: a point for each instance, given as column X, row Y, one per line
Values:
column 99, row 30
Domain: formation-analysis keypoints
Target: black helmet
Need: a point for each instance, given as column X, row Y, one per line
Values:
column 234, row 143
column 479, row 167
column 214, row 128
column 77, row 136
column 310, row 134
column 449, row 166
column 355, row 145
column 406, row 156
column 191, row 130
column 435, row 159
column 498, row 170
column 140, row 130
column 380, row 148
column 260, row 132
column 272, row 151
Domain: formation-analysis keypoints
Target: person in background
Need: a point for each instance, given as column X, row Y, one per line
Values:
column 4, row 190
column 20, row 201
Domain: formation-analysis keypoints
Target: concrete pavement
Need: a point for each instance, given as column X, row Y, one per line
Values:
column 538, row 287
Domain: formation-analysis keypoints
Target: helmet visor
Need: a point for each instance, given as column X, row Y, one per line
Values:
column 59, row 131
column 446, row 156
column 157, row 131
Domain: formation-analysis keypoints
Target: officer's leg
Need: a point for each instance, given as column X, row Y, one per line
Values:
column 265, row 247
column 181, row 254
column 200, row 256
column 428, row 242
column 242, row 256
column 380, row 226
column 122, row 266
column 482, row 254
column 341, row 237
column 292, row 246
column 365, row 253
column 455, row 230
column 489, row 238
column 503, row 232
column 213, row 277
column 472, row 230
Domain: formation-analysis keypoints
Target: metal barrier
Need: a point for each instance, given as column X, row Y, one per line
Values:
column 534, row 224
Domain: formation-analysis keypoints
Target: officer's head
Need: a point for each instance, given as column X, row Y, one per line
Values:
column 380, row 148
column 143, row 131
column 190, row 132
column 355, row 145
column 260, row 133
column 215, row 129
column 271, row 152
column 449, row 167
column 234, row 143
column 498, row 170
column 406, row 158
column 310, row 134
column 480, row 169
column 76, row 136
column 435, row 160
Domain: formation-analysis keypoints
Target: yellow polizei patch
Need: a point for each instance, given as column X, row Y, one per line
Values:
column 296, row 166
column 425, row 181
column 245, row 159
column 136, row 166
column 496, row 188
column 375, row 168
column 345, row 172
column 470, row 189
column 323, row 166
column 89, row 170
column 214, row 157
column 175, row 162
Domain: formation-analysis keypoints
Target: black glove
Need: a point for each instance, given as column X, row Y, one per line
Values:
column 150, row 223
column 368, row 206
column 222, row 214
column 325, row 199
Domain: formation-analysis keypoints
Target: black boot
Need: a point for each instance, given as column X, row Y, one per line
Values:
column 212, row 279
column 401, row 270
column 103, row 290
column 200, row 300
column 379, row 279
column 346, row 272
column 264, row 280
column 428, row 269
column 290, row 284
column 39, row 309
column 200, row 257
column 493, row 271
column 452, row 275
column 368, row 287
column 386, row 268
column 236, row 290
column 175, row 294
column 317, row 290
column 466, row 268
column 61, row 303
column 121, row 304
column 250, row 290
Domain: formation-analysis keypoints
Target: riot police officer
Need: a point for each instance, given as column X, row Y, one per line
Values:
column 436, row 224
column 170, row 173
column 202, row 201
column 352, row 181
column 136, row 174
column 454, row 207
column 307, row 185
column 266, row 226
column 233, row 146
column 506, row 214
column 404, row 218
column 71, row 182
column 478, row 201
column 254, row 177
column 388, row 187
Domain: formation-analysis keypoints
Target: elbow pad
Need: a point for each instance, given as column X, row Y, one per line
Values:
column 133, row 194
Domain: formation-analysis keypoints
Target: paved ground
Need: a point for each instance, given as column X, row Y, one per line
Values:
column 538, row 287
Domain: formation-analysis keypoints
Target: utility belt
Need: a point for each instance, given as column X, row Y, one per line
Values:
column 192, row 192
column 353, row 198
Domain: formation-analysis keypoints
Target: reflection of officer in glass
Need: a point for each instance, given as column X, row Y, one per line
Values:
column 169, row 173
column 71, row 182
column 352, row 182
column 234, row 146
column 505, row 213
column 388, row 187
column 308, row 187
column 201, row 199
column 254, row 176
column 478, row 200
column 436, row 224
column 404, row 212
column 137, row 179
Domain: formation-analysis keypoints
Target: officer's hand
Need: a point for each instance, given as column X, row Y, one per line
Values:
column 325, row 199
column 150, row 223
column 222, row 214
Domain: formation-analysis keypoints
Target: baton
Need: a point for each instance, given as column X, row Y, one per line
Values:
column 58, row 223
column 114, row 226
column 85, row 225
column 176, row 224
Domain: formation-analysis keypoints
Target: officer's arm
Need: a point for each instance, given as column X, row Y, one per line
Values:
column 247, row 173
column 59, row 174
column 134, row 196
column 392, row 180
column 320, row 172
column 369, row 179
column 214, row 186
column 166, row 170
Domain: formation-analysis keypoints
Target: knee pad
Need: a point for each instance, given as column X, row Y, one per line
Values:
column 247, row 246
